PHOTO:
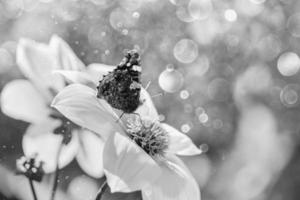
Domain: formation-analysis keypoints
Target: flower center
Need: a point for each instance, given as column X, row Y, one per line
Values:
column 150, row 136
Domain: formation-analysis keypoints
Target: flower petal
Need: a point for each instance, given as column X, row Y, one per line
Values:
column 97, row 71
column 76, row 77
column 36, row 61
column 180, row 143
column 40, row 140
column 65, row 56
column 147, row 109
column 80, row 104
column 20, row 100
column 175, row 183
column 90, row 153
column 127, row 167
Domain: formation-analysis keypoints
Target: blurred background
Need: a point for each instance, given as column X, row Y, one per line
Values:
column 229, row 70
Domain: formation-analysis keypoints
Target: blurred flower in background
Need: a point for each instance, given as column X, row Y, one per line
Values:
column 229, row 71
column 50, row 137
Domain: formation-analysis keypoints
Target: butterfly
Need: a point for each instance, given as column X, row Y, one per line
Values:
column 121, row 88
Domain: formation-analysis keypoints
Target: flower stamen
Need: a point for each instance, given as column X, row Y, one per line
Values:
column 149, row 135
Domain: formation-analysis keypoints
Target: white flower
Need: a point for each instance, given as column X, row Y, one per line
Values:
column 29, row 100
column 159, row 174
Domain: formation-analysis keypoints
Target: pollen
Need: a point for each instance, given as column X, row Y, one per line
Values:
column 150, row 136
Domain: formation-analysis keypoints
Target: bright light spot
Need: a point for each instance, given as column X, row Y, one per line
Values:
column 269, row 47
column 230, row 15
column 200, row 9
column 97, row 36
column 186, row 51
column 183, row 14
column 107, row 52
column 68, row 12
column 120, row 19
column 170, row 80
column 245, row 7
column 82, row 187
column 116, row 19
column 203, row 118
column 210, row 29
column 177, row 2
column 125, row 31
column 185, row 128
column 204, row 147
column 161, row 117
column 217, row 124
column 136, row 14
column 257, row 1
column 200, row 66
column 147, row 191
column 184, row 94
column 288, row 64
column 289, row 96
column 293, row 25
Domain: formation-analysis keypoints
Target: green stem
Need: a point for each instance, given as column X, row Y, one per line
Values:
column 32, row 189
column 55, row 183
column 56, row 173
column 101, row 190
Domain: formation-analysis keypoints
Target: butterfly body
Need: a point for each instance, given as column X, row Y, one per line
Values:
column 121, row 88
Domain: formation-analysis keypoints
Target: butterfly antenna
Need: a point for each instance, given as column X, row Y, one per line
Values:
column 158, row 95
column 147, row 86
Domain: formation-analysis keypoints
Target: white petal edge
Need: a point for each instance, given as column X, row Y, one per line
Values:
column 127, row 167
column 98, row 70
column 147, row 109
column 76, row 77
column 66, row 59
column 180, row 143
column 36, row 61
column 90, row 153
column 80, row 105
column 22, row 101
column 175, row 183
column 40, row 140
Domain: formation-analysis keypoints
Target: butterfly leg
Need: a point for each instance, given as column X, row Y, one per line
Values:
column 117, row 121
column 158, row 95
